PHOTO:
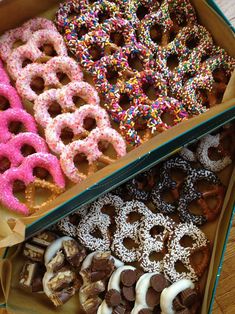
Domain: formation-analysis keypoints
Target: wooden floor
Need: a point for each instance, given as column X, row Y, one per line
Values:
column 225, row 293
column 225, row 299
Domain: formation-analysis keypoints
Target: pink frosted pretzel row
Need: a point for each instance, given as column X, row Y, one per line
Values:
column 75, row 121
column 4, row 79
column 22, row 34
column 48, row 73
column 11, row 96
column 31, row 51
column 15, row 115
column 64, row 97
column 90, row 148
column 25, row 173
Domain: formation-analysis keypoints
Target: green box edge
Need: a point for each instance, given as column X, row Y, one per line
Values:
column 216, row 7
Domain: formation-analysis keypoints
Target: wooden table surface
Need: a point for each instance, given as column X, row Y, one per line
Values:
column 225, row 299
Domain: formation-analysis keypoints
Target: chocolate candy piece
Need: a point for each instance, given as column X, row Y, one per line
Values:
column 91, row 307
column 57, row 262
column 97, row 275
column 119, row 310
column 31, row 276
column 100, row 261
column 128, row 277
column 158, row 282
column 27, row 274
column 33, row 252
column 145, row 311
column 60, row 298
column 94, row 289
column 44, row 238
column 61, row 280
column 128, row 293
column 74, row 252
column 113, row 298
column 37, row 285
column 152, row 297
column 189, row 297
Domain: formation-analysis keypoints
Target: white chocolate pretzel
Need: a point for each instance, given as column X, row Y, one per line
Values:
column 114, row 283
column 168, row 295
column 142, row 286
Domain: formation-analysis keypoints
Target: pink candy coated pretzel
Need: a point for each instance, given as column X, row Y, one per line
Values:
column 81, row 89
column 25, row 173
column 4, row 79
column 22, row 34
column 75, row 121
column 13, row 152
column 11, row 96
column 48, row 73
column 30, row 139
column 64, row 97
column 31, row 51
column 15, row 115
column 66, row 65
column 89, row 147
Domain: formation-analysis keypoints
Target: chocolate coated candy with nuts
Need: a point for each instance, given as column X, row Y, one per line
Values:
column 100, row 261
column 57, row 262
column 74, row 252
column 31, row 276
column 33, row 252
column 61, row 297
column 44, row 238
column 61, row 280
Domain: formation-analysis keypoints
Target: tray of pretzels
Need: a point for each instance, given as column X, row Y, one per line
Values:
column 148, row 246
column 95, row 97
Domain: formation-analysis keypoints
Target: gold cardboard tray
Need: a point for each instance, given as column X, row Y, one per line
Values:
column 12, row 294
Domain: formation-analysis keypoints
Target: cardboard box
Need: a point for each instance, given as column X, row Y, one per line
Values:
column 134, row 162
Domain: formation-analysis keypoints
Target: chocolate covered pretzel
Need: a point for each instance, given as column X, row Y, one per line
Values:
column 167, row 183
column 62, row 259
column 120, row 292
column 185, row 255
column 153, row 234
column 148, row 291
column 128, row 230
column 191, row 193
column 97, row 220
column 95, row 272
